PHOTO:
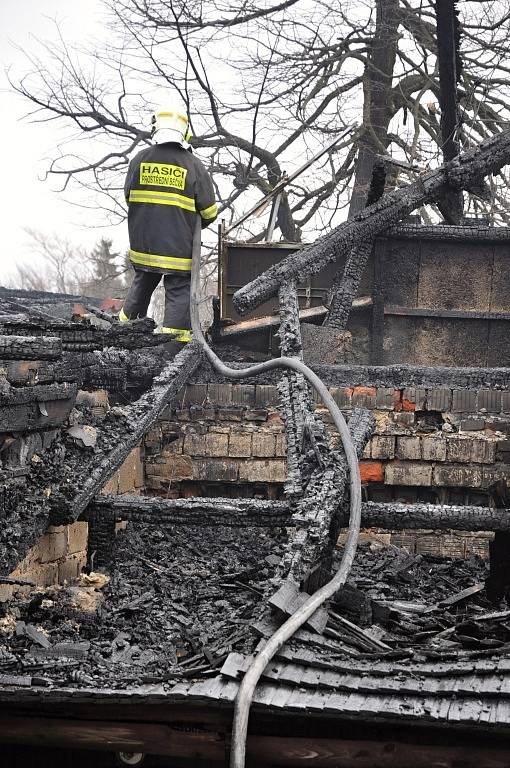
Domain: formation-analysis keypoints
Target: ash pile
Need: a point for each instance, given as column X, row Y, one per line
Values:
column 179, row 601
column 176, row 604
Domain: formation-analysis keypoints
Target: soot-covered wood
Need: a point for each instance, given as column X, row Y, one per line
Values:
column 19, row 347
column 66, row 481
column 461, row 173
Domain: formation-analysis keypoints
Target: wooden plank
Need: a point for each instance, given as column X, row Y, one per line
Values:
column 288, row 599
column 268, row 321
column 459, row 596
column 337, row 753
column 112, row 736
column 392, row 309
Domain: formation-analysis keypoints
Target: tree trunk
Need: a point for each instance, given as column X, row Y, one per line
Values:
column 447, row 58
column 377, row 108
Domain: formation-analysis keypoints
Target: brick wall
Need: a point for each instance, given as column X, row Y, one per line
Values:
column 434, row 445
column 129, row 478
column 219, row 434
column 449, row 443
column 453, row 442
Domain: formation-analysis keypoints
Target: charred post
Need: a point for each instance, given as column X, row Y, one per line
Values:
column 295, row 396
column 347, row 284
column 318, row 513
column 497, row 585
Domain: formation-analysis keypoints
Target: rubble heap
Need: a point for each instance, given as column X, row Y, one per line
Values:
column 177, row 603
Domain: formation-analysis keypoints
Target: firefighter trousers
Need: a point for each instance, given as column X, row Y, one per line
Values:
column 177, row 320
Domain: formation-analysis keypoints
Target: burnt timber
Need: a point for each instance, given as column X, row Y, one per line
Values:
column 267, row 514
column 65, row 497
column 461, row 173
column 30, row 347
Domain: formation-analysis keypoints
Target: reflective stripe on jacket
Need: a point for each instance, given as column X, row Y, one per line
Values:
column 166, row 188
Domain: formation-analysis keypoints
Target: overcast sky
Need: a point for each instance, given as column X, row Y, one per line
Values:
column 25, row 198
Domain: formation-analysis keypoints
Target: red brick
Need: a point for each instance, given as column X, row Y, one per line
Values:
column 370, row 391
column 407, row 405
column 274, row 420
column 371, row 471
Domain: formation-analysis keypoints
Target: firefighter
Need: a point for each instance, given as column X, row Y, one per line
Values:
column 166, row 189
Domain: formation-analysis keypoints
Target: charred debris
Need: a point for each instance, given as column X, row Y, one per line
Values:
column 190, row 589
column 190, row 581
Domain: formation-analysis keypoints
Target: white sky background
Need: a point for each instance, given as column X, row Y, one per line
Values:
column 25, row 198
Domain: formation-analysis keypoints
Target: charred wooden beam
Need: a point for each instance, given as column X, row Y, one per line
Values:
column 101, row 538
column 75, row 336
column 461, row 173
column 16, row 347
column 39, row 407
column 347, row 280
column 295, row 396
column 497, row 584
column 346, row 285
column 40, row 393
column 119, row 370
column 266, row 513
column 138, row 419
column 61, row 485
column 192, row 511
column 318, row 513
column 414, row 516
column 400, row 376
column 474, row 232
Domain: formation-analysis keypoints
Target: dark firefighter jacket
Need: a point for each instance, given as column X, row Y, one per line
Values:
column 166, row 188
